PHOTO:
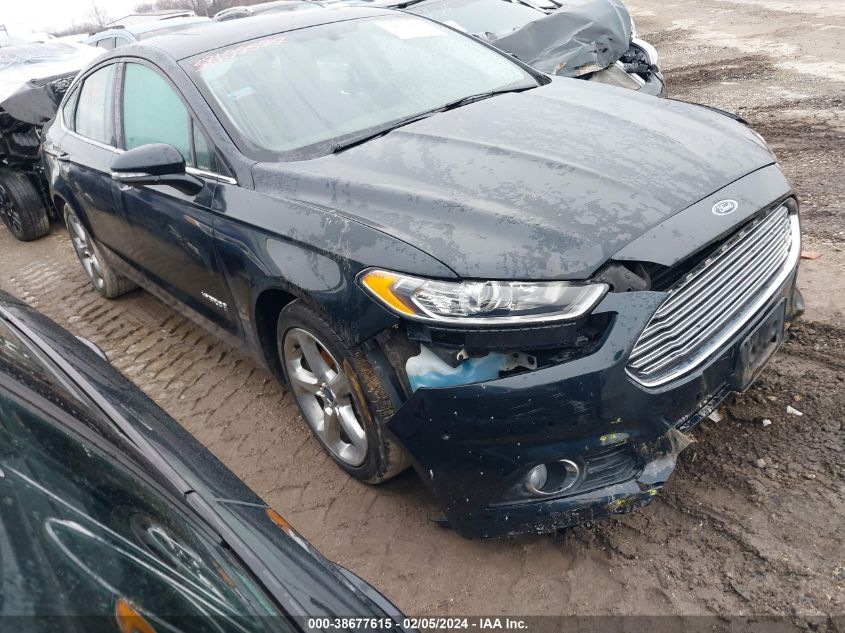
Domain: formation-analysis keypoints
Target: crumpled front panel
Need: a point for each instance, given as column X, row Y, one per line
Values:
column 580, row 37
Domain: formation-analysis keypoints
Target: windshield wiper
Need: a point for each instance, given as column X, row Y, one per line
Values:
column 457, row 103
column 372, row 134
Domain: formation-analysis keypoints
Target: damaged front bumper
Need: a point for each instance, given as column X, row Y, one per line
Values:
column 650, row 83
column 474, row 443
column 638, row 69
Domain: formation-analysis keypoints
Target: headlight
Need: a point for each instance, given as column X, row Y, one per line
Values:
column 481, row 302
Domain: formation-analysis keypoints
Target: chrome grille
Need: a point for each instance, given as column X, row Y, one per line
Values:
column 712, row 303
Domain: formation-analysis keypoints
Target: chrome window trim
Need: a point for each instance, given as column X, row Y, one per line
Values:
column 788, row 268
column 65, row 129
column 111, row 148
column 201, row 173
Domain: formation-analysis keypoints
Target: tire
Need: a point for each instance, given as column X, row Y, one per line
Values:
column 380, row 457
column 22, row 207
column 103, row 277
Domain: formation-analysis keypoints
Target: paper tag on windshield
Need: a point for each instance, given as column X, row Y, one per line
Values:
column 410, row 29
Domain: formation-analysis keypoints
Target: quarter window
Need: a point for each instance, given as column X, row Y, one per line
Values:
column 94, row 108
column 68, row 110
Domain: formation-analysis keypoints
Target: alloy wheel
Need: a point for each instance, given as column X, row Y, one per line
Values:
column 324, row 396
column 85, row 250
column 7, row 210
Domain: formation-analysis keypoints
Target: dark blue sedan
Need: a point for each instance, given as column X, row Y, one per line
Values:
column 526, row 286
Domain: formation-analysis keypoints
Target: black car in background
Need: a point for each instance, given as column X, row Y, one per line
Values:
column 445, row 254
column 116, row 519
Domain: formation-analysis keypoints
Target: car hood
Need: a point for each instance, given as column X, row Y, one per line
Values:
column 581, row 37
column 544, row 184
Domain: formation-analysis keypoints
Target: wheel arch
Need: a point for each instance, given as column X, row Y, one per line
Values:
column 59, row 203
column 267, row 307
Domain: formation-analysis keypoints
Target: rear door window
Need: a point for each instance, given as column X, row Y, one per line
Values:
column 69, row 110
column 94, row 109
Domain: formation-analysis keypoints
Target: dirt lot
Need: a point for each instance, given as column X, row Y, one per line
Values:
column 753, row 522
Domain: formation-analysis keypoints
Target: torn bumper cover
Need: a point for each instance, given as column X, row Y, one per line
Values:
column 475, row 444
column 583, row 38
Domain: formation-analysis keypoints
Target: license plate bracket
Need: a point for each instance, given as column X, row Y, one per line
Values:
column 759, row 346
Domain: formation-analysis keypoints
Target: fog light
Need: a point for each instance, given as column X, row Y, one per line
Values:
column 537, row 477
column 552, row 478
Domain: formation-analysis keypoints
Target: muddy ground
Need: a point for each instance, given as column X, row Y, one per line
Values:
column 753, row 521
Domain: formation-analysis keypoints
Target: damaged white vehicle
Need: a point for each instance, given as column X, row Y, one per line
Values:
column 588, row 39
column 33, row 80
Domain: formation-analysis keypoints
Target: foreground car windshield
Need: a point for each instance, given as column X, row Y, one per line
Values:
column 478, row 16
column 302, row 88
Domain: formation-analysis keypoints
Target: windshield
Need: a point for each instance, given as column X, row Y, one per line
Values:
column 478, row 16
column 291, row 95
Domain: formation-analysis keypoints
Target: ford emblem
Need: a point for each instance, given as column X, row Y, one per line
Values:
column 725, row 207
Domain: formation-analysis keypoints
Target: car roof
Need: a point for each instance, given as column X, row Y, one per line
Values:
column 151, row 25
column 276, row 4
column 207, row 38
column 384, row 4
column 265, row 6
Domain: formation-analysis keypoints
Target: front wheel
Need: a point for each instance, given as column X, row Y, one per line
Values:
column 347, row 415
column 103, row 277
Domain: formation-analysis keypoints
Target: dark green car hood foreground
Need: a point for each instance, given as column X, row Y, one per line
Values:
column 491, row 193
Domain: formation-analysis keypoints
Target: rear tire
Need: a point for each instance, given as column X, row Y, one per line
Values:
column 105, row 279
column 22, row 207
column 339, row 395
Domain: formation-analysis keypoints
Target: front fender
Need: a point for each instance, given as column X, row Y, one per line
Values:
column 266, row 243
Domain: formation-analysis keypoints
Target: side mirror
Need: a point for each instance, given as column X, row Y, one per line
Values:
column 155, row 164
